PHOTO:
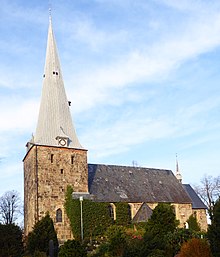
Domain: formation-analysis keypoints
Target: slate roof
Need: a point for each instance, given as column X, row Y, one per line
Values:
column 111, row 183
column 54, row 119
column 143, row 214
column 197, row 203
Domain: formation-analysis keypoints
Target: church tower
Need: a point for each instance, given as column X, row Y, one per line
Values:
column 54, row 158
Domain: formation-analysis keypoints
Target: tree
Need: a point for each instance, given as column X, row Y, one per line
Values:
column 195, row 247
column 117, row 240
column 10, row 240
column 43, row 232
column 214, row 230
column 193, row 224
column 72, row 248
column 10, row 207
column 209, row 191
column 161, row 222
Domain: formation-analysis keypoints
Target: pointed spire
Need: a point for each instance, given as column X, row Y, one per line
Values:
column 54, row 127
column 178, row 174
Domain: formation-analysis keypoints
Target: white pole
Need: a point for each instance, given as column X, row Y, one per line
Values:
column 81, row 212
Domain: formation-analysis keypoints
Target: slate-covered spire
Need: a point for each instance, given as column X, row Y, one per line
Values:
column 178, row 174
column 54, row 127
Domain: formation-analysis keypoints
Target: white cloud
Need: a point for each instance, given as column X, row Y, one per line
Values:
column 140, row 126
column 132, row 58
column 86, row 32
column 144, row 66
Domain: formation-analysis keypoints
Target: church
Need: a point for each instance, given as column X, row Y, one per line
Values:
column 55, row 159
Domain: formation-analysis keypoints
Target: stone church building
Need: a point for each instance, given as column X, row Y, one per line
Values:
column 55, row 159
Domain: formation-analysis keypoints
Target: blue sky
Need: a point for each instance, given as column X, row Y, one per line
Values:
column 143, row 78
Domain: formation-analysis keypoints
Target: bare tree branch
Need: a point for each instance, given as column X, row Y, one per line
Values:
column 10, row 205
column 209, row 190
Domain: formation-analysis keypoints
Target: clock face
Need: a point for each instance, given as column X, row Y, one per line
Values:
column 62, row 142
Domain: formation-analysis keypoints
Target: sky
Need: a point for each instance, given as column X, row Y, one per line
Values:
column 143, row 78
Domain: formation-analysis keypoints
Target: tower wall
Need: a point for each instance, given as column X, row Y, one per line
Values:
column 30, row 190
column 47, row 173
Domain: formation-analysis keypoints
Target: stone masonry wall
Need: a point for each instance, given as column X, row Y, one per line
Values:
column 183, row 211
column 201, row 218
column 55, row 169
column 30, row 191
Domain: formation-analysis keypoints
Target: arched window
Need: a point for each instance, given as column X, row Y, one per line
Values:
column 112, row 211
column 130, row 210
column 59, row 215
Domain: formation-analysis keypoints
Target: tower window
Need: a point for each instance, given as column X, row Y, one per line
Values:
column 51, row 158
column 59, row 215
column 54, row 72
column 61, row 171
column 72, row 159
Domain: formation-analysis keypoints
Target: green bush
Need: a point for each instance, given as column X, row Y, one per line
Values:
column 72, row 248
column 214, row 230
column 161, row 223
column 43, row 232
column 10, row 240
column 193, row 224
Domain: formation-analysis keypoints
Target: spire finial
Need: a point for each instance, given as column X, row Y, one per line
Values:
column 178, row 174
column 50, row 10
column 177, row 166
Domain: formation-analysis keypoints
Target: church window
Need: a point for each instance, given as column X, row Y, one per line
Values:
column 59, row 215
column 61, row 171
column 54, row 72
column 51, row 158
column 112, row 213
column 130, row 211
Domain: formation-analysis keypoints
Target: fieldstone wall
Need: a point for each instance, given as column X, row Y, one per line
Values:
column 182, row 211
column 201, row 217
column 30, row 191
column 47, row 173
